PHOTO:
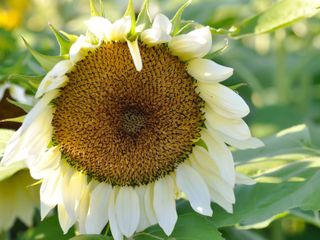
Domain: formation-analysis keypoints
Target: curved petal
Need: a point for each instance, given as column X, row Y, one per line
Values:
column 127, row 210
column 223, row 100
column 46, row 164
column 64, row 220
column 220, row 200
column 207, row 71
column 120, row 29
column 245, row 180
column 50, row 193
column 159, row 33
column 220, row 153
column 83, row 207
column 100, row 27
column 193, row 185
column 114, row 227
column 148, row 200
column 135, row 53
column 80, row 48
column 250, row 143
column 164, row 204
column 97, row 216
column 234, row 128
column 144, row 222
column 74, row 184
column 194, row 44
column 56, row 78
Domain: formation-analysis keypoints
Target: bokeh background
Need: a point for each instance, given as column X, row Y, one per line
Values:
column 278, row 73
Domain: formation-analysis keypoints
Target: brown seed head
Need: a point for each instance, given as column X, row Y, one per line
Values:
column 125, row 127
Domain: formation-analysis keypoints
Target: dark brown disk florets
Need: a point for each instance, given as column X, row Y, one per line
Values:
column 125, row 127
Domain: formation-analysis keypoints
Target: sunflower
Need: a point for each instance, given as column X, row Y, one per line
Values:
column 135, row 116
column 17, row 199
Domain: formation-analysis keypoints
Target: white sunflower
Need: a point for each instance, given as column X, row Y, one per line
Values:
column 135, row 116
column 17, row 199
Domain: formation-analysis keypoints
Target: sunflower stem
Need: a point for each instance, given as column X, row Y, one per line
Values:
column 107, row 230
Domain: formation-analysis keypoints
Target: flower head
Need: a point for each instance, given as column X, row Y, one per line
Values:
column 117, row 130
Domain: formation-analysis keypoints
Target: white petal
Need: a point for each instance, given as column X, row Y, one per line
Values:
column 74, row 183
column 114, row 227
column 159, row 33
column 120, row 29
column 19, row 94
column 100, row 27
column 234, row 128
column 193, row 185
column 50, row 192
column 33, row 136
column 223, row 100
column 164, row 204
column 56, row 78
column 97, row 216
column 65, row 221
column 127, row 210
column 135, row 53
column 201, row 157
column 83, row 207
column 207, row 71
column 144, row 222
column 194, row 44
column 148, row 200
column 45, row 164
column 80, row 48
column 220, row 153
column 220, row 200
column 250, row 143
column 245, row 180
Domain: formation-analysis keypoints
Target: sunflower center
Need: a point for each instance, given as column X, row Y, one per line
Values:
column 133, row 119
column 125, row 127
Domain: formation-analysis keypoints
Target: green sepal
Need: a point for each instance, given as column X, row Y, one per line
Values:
column 24, row 107
column 27, row 82
column 16, row 119
column 72, row 38
column 130, row 13
column 216, row 53
column 63, row 41
column 176, row 20
column 144, row 19
column 46, row 62
column 96, row 11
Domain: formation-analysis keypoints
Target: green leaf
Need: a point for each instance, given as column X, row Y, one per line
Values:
column 190, row 226
column 46, row 62
column 49, row 229
column 144, row 19
column 287, row 172
column 96, row 9
column 24, row 107
column 281, row 14
column 62, row 40
column 176, row 20
column 90, row 237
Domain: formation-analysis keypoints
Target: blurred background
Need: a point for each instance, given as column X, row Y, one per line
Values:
column 279, row 72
